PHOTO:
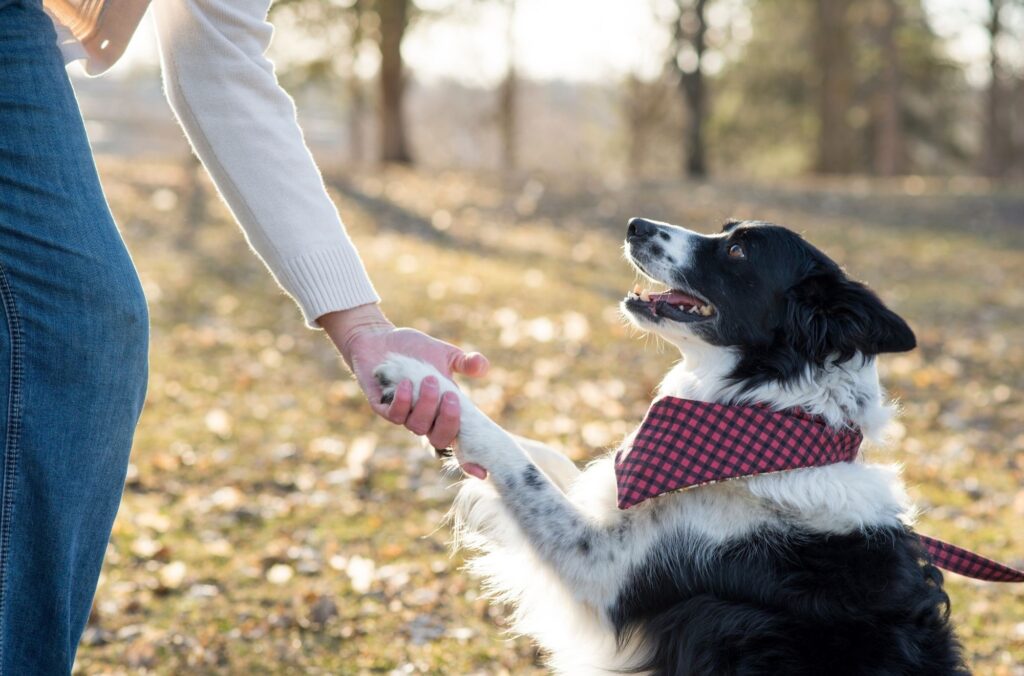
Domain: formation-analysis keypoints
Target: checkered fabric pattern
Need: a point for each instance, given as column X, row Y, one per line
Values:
column 967, row 563
column 683, row 443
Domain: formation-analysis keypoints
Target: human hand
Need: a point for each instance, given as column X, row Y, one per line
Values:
column 365, row 337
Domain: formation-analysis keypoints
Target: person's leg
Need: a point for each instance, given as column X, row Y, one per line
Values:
column 73, row 355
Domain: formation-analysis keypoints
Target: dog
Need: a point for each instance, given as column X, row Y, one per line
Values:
column 805, row 572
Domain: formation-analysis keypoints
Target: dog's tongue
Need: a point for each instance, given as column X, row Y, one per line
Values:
column 674, row 297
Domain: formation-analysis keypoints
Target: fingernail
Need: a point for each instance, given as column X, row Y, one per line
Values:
column 430, row 381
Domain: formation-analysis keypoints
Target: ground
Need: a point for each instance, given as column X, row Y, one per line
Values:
column 270, row 526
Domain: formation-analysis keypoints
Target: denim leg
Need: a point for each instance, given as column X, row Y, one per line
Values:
column 73, row 355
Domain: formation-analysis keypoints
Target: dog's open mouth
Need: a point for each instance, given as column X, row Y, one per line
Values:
column 680, row 306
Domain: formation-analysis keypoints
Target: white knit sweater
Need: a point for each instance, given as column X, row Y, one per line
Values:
column 242, row 126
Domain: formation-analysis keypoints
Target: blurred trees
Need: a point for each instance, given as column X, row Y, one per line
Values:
column 356, row 109
column 762, row 86
column 890, row 150
column 1003, row 98
column 688, row 47
column 508, row 96
column 830, row 86
column 835, row 85
column 338, row 31
column 846, row 86
column 393, row 19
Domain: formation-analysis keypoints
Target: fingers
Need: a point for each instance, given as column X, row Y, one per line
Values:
column 472, row 364
column 421, row 419
column 446, row 424
column 433, row 416
column 400, row 406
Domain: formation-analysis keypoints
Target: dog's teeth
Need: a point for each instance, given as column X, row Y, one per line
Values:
column 637, row 289
column 645, row 295
column 705, row 310
column 693, row 310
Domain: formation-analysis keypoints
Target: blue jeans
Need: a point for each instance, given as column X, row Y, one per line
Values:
column 73, row 355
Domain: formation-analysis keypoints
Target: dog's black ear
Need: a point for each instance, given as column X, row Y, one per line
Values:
column 730, row 224
column 832, row 315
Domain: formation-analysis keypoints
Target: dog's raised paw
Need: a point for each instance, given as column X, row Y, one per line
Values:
column 387, row 384
column 397, row 368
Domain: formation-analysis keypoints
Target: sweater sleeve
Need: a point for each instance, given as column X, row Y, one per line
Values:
column 242, row 126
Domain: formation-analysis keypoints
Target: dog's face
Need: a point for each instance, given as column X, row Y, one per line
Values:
column 758, row 288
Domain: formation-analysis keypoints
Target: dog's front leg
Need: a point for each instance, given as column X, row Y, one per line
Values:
column 586, row 556
column 556, row 466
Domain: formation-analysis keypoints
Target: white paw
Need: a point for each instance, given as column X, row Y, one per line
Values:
column 397, row 367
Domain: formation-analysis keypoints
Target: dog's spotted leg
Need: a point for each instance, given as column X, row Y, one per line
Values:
column 585, row 555
column 560, row 469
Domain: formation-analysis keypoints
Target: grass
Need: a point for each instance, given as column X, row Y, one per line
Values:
column 271, row 526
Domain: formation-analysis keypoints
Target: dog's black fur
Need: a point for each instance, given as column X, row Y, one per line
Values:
column 785, row 602
column 851, row 605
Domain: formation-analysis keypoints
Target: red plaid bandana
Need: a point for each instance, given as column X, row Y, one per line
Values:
column 967, row 563
column 684, row 443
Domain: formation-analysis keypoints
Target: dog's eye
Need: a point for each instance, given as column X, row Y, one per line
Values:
column 736, row 251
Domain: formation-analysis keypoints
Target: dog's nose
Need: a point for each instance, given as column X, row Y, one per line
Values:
column 640, row 228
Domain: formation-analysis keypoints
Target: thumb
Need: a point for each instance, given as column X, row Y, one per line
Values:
column 472, row 364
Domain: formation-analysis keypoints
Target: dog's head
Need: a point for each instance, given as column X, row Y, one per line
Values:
column 760, row 289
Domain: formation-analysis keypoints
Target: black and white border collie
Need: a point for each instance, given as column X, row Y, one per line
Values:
column 807, row 572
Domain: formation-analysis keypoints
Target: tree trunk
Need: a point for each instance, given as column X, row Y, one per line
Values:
column 508, row 99
column 394, row 18
column 890, row 147
column 354, row 86
column 690, row 31
column 832, row 45
column 995, row 131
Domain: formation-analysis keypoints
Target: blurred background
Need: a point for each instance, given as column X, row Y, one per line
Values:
column 486, row 155
column 644, row 88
